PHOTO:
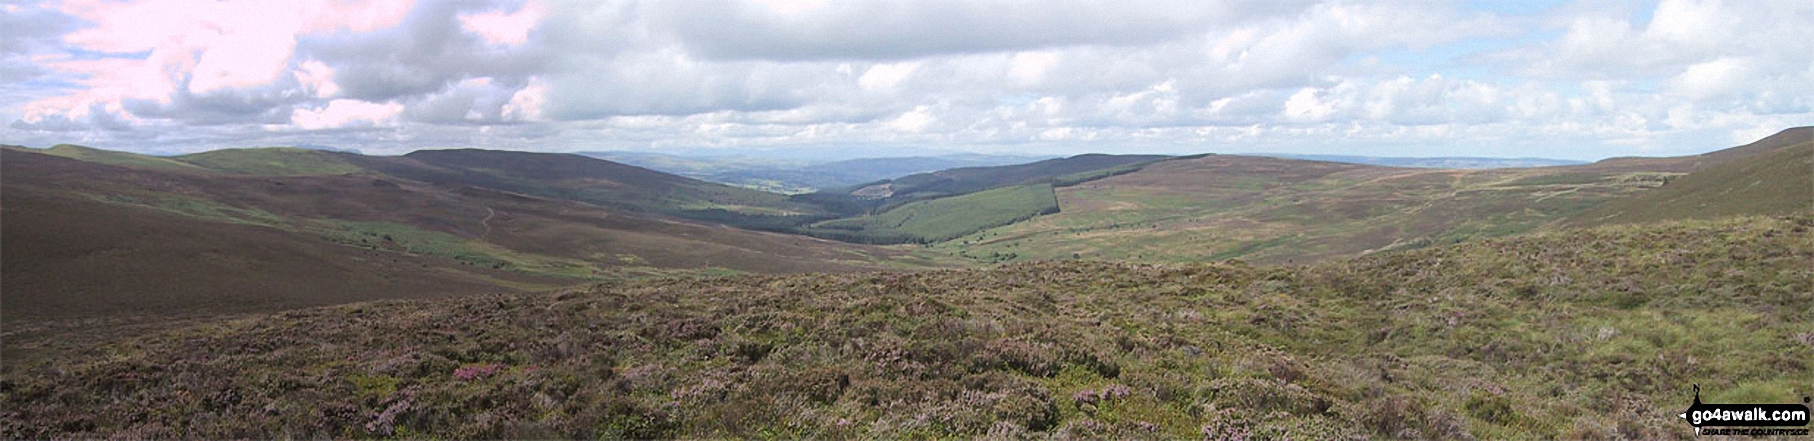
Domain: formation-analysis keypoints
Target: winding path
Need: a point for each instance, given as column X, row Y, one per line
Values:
column 489, row 213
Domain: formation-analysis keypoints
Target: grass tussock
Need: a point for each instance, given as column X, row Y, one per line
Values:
column 1593, row 333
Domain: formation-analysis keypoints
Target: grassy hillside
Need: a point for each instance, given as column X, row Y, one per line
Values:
column 116, row 158
column 590, row 180
column 972, row 179
column 273, row 161
column 87, row 240
column 1775, row 181
column 795, row 176
column 1594, row 333
column 944, row 218
column 1277, row 210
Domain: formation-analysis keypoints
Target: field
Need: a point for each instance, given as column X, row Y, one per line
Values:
column 942, row 219
column 1594, row 333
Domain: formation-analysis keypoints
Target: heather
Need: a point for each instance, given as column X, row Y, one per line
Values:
column 1579, row 333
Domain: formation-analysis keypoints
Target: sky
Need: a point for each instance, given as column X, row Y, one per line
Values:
column 1559, row 79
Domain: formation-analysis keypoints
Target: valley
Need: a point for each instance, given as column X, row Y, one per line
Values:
column 261, row 292
column 878, row 220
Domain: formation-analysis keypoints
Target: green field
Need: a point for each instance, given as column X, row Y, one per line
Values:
column 944, row 218
column 117, row 158
column 272, row 161
column 1273, row 210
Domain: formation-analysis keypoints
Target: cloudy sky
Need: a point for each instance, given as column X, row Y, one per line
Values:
column 1561, row 79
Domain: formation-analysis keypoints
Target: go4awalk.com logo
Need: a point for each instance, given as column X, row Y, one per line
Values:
column 1747, row 419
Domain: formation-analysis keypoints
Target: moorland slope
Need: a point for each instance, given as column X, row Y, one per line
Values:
column 87, row 239
column 1591, row 333
column 1280, row 210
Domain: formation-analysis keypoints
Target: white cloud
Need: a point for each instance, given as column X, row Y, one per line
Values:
column 1178, row 76
column 343, row 113
column 886, row 75
column 501, row 28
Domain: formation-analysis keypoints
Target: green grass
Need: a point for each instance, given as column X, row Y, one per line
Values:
column 198, row 208
column 412, row 240
column 117, row 158
column 1593, row 333
column 1779, row 181
column 272, row 161
column 1277, row 211
column 946, row 218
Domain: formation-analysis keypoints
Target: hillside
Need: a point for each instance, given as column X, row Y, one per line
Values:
column 1577, row 334
column 1779, row 180
column 1431, row 162
column 116, row 158
column 942, row 219
column 972, row 179
column 274, row 161
column 1282, row 210
column 795, row 176
column 1278, row 210
column 88, row 240
column 583, row 179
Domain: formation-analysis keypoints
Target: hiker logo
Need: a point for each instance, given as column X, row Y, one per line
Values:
column 1749, row 419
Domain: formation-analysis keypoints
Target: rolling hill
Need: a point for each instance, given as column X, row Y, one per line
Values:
column 87, row 239
column 1752, row 180
column 959, row 181
column 930, row 207
column 1431, row 162
column 940, row 219
column 1573, row 334
column 795, row 176
column 1280, row 210
column 147, row 299
column 115, row 158
column 274, row 161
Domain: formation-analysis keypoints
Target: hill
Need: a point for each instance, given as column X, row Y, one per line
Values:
column 89, row 240
column 274, row 161
column 1778, row 179
column 584, row 179
column 115, row 158
column 795, row 176
column 973, row 179
column 1576, row 334
column 1282, row 210
column 942, row 219
column 1432, row 162
column 1278, row 210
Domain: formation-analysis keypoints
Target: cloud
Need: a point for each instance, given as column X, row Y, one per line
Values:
column 887, row 30
column 343, row 113
column 1067, row 76
column 502, row 28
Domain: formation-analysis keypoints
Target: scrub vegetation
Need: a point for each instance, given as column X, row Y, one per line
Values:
column 1585, row 333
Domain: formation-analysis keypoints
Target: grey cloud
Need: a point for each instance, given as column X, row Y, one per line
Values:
column 464, row 104
column 30, row 27
column 888, row 30
column 263, row 105
column 98, row 118
column 666, row 83
column 425, row 54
